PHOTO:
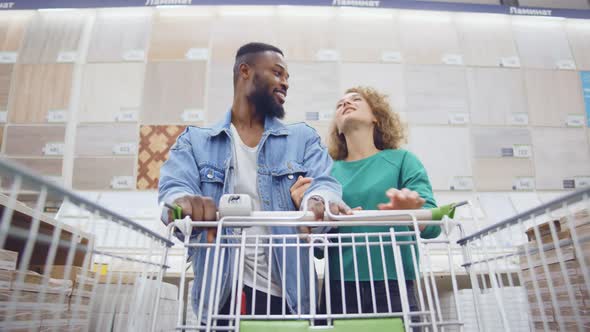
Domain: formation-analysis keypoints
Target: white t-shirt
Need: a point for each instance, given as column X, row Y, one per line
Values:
column 246, row 177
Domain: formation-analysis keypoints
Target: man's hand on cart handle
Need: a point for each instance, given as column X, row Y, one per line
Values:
column 196, row 207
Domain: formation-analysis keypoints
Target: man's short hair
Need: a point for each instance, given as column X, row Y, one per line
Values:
column 247, row 53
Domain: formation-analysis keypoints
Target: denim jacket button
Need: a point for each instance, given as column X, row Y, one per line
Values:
column 210, row 175
column 290, row 176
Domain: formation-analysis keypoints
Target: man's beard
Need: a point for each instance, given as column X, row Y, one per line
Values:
column 265, row 101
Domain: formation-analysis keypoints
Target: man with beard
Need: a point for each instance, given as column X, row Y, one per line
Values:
column 250, row 152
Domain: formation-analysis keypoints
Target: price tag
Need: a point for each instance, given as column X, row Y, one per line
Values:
column 462, row 183
column 328, row 55
column 198, row 54
column 193, row 115
column 453, row 59
column 57, row 116
column 507, row 152
column 3, row 116
column 524, row 183
column 53, row 149
column 390, row 56
column 566, row 64
column 458, row 118
column 312, row 116
column 582, row 181
column 569, row 184
column 122, row 182
column 8, row 57
column 510, row 62
column 67, row 57
column 574, row 120
column 126, row 116
column 522, row 151
column 134, row 55
column 124, row 148
column 518, row 119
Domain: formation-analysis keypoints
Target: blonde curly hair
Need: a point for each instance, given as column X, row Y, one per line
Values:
column 389, row 132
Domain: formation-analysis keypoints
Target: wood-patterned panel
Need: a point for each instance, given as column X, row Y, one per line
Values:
column 31, row 140
column 486, row 39
column 13, row 25
column 154, row 145
column 99, row 173
column 39, row 89
column 50, row 167
column 553, row 95
column 578, row 33
column 176, row 31
column 428, row 37
column 103, row 140
column 111, row 90
column 51, row 33
column 171, row 88
column 120, row 35
column 5, row 82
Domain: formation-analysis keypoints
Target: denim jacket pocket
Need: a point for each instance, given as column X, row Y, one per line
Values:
column 284, row 178
column 212, row 180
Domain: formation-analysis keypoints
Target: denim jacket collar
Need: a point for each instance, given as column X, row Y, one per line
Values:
column 272, row 126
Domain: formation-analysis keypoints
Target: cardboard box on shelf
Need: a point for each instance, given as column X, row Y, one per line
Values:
column 8, row 260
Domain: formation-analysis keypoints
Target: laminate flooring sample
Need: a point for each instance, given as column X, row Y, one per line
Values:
column 378, row 40
column 308, row 34
column 502, row 156
column 176, row 32
column 220, row 92
column 154, row 145
column 49, row 167
column 104, row 173
column 13, row 25
column 561, row 155
column 428, row 37
column 5, row 83
column 107, row 140
column 486, row 39
column 541, row 43
column 313, row 91
column 226, row 39
column 51, row 35
column 172, row 89
column 578, row 34
column 553, row 95
column 111, row 92
column 497, row 141
column 120, row 34
column 434, row 93
column 32, row 140
column 497, row 96
column 39, row 90
column 385, row 78
column 444, row 152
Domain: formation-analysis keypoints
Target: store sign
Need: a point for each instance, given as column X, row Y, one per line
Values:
column 398, row 4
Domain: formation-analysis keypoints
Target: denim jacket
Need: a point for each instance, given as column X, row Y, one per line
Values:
column 200, row 163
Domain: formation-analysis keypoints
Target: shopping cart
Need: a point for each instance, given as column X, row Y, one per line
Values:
column 393, row 235
column 67, row 273
column 530, row 272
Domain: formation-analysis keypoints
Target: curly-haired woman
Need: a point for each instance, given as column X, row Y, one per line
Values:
column 375, row 173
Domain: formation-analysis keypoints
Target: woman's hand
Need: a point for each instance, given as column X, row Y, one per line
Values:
column 404, row 199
